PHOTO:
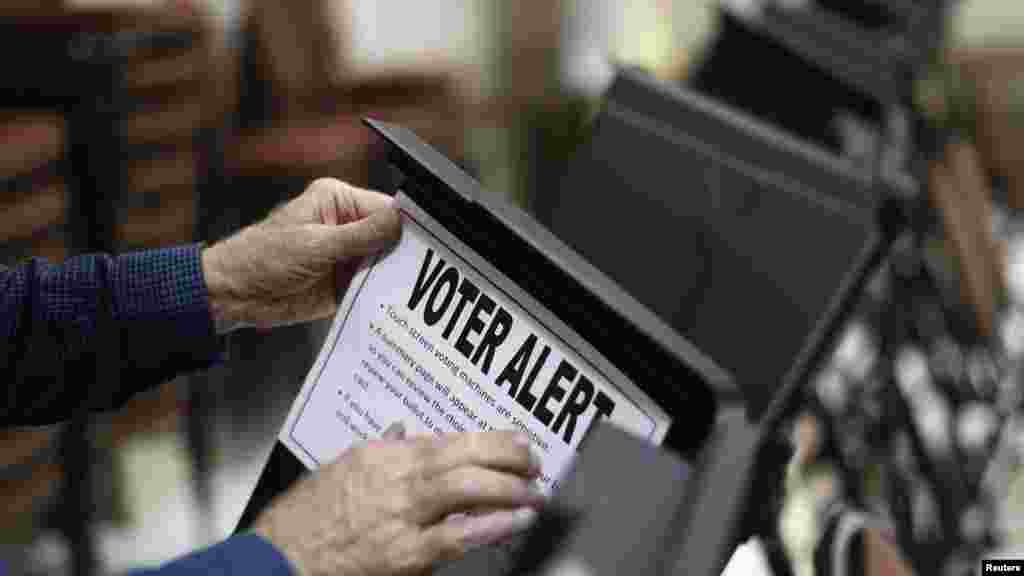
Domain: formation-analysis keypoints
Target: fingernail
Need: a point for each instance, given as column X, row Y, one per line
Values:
column 535, row 463
column 394, row 432
column 497, row 526
column 535, row 490
column 535, row 496
column 524, row 518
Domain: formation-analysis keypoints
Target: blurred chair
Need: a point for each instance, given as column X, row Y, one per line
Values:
column 996, row 74
column 32, row 187
column 175, row 99
column 93, row 123
column 300, row 108
column 32, row 213
column 173, row 103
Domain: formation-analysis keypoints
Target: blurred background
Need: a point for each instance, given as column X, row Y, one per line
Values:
column 129, row 124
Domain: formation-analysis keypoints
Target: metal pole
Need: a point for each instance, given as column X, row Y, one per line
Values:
column 94, row 187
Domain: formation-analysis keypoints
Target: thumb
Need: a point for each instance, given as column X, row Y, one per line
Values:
column 364, row 237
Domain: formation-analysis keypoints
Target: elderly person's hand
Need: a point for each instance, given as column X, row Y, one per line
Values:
column 291, row 266
column 402, row 506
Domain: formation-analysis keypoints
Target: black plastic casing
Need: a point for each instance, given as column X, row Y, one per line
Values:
column 672, row 372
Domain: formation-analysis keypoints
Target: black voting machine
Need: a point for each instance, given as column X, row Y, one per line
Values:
column 748, row 242
column 742, row 239
column 737, row 210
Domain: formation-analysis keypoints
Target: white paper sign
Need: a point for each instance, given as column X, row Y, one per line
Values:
column 429, row 335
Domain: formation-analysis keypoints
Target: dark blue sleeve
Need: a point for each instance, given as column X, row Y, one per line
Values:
column 160, row 325
column 242, row 555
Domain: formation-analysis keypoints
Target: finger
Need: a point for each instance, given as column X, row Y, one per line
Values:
column 451, row 539
column 363, row 202
column 394, row 432
column 338, row 202
column 505, row 451
column 470, row 488
column 331, row 202
column 364, row 237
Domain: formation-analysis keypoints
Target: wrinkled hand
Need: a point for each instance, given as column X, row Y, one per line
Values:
column 290, row 267
column 397, row 507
